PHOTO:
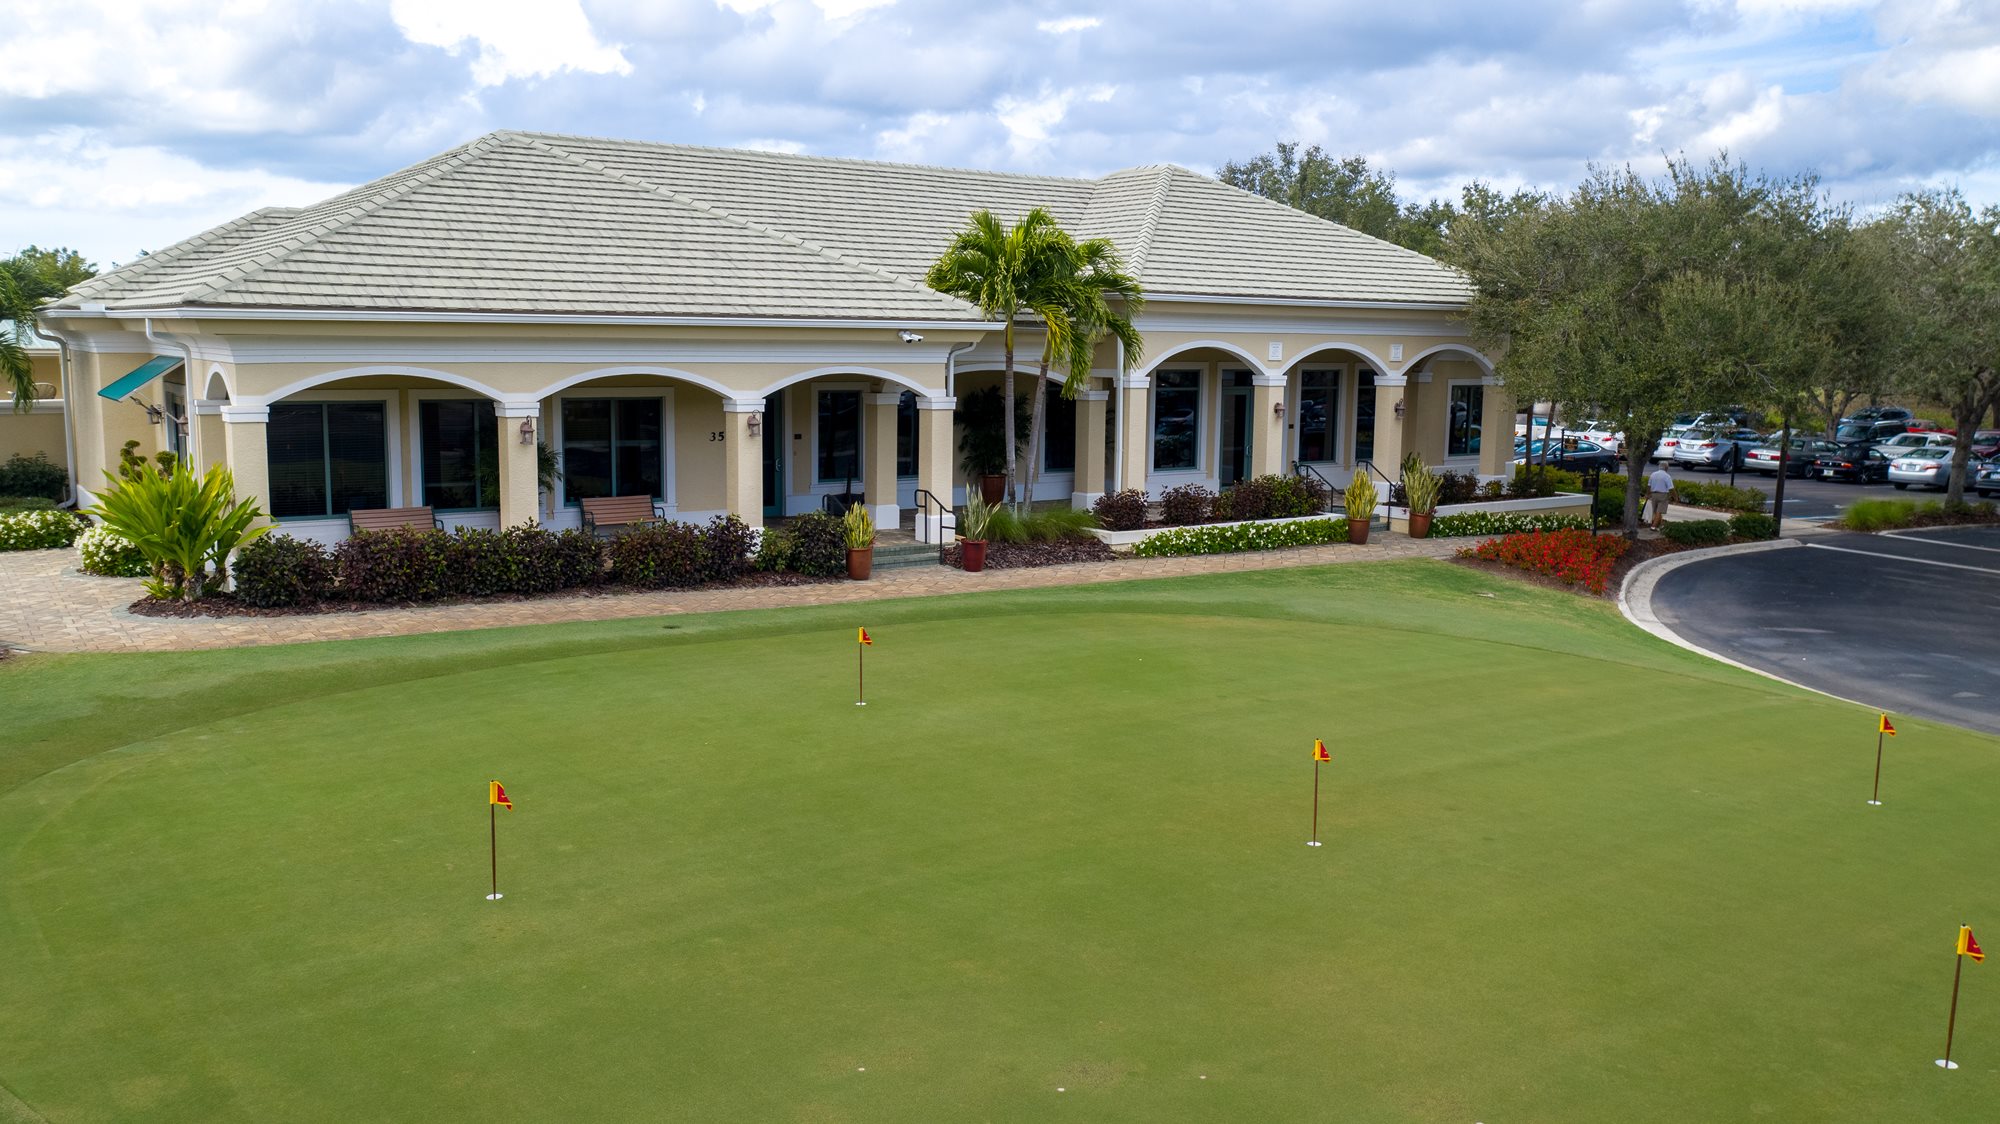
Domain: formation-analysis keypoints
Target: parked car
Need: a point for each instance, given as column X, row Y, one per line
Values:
column 1571, row 455
column 1798, row 462
column 1606, row 433
column 1719, row 449
column 1986, row 443
column 1669, row 437
column 1871, row 414
column 1910, row 442
column 1926, row 425
column 1986, row 477
column 1926, row 468
column 1857, row 461
column 1873, row 433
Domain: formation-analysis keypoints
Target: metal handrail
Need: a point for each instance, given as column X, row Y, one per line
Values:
column 926, row 499
column 1370, row 465
column 838, row 503
column 1301, row 468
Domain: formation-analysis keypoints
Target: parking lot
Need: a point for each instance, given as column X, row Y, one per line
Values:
column 1903, row 621
column 1818, row 500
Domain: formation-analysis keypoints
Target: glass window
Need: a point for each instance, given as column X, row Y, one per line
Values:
column 1176, row 419
column 461, row 461
column 1059, row 439
column 611, row 447
column 1462, row 436
column 327, row 458
column 1319, row 413
column 906, row 434
column 1364, row 416
column 839, row 436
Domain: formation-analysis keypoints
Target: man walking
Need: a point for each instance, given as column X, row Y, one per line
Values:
column 1659, row 493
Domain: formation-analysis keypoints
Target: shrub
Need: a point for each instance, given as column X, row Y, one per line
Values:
column 1576, row 557
column 400, row 565
column 1186, row 504
column 24, row 475
column 1458, row 487
column 1704, row 493
column 1272, row 497
column 1005, row 526
column 1059, row 524
column 728, row 541
column 820, row 547
column 109, row 554
column 1121, row 511
column 1539, row 480
column 775, row 551
column 975, row 522
column 1611, row 500
column 578, row 558
column 1696, row 532
column 182, row 522
column 1504, row 523
column 1239, row 537
column 26, row 503
column 1751, row 525
column 1359, row 497
column 1882, row 515
column 277, row 571
column 662, row 556
column 479, row 563
column 38, row 530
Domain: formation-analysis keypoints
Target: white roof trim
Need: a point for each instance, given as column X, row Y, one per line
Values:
column 403, row 316
column 1303, row 302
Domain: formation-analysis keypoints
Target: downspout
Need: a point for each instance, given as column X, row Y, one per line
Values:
column 161, row 339
column 1118, row 415
column 63, row 364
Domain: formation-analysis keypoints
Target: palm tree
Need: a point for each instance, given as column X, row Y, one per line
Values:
column 1076, row 305
column 16, row 373
column 990, row 264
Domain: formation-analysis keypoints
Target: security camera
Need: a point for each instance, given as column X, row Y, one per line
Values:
column 907, row 336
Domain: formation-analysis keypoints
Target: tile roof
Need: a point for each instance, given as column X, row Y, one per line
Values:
column 539, row 223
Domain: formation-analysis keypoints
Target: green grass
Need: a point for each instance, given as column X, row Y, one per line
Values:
column 1571, row 873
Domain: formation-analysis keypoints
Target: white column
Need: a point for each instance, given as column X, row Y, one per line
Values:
column 520, row 488
column 743, row 459
column 878, row 459
column 1090, row 407
column 1389, row 394
column 1496, row 430
column 1135, row 429
column 935, row 449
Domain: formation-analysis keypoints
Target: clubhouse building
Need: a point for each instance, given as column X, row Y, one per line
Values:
column 731, row 331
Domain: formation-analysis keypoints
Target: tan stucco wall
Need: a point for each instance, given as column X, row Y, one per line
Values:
column 29, row 434
column 698, row 461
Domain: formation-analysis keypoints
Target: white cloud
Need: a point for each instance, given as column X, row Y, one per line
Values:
column 513, row 38
column 1068, row 24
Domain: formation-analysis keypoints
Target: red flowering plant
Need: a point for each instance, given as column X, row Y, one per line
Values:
column 1577, row 557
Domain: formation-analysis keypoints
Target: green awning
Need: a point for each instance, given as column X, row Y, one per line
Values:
column 146, row 372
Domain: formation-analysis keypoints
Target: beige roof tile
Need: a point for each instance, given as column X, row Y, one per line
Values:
column 516, row 222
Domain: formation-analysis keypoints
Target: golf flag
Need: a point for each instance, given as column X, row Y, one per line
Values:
column 497, row 795
column 1319, row 751
column 1968, row 946
column 864, row 638
column 1885, row 728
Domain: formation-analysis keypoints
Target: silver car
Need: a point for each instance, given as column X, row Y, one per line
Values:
column 1720, row 448
column 1984, row 476
column 1924, row 468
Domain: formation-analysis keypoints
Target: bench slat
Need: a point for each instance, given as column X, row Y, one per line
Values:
column 389, row 518
column 617, row 511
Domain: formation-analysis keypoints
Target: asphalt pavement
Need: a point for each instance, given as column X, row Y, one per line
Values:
column 1907, row 622
column 1817, row 500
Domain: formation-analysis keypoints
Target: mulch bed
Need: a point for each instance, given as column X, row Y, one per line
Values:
column 225, row 604
column 1021, row 556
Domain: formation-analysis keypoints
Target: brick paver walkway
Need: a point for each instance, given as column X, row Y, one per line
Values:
column 46, row 604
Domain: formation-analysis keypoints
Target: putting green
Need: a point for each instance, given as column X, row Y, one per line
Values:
column 1054, row 870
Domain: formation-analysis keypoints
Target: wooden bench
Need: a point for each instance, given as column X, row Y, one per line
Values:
column 608, row 512
column 392, row 518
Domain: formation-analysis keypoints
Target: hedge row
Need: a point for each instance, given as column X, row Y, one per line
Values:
column 22, row 475
column 1260, row 497
column 47, row 529
column 1504, row 523
column 1239, row 537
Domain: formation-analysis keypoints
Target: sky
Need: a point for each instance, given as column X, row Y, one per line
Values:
column 131, row 124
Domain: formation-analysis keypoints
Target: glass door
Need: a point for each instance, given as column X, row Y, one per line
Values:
column 774, row 456
column 1235, row 462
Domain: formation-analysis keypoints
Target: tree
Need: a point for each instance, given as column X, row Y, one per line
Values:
column 1344, row 190
column 47, row 274
column 1572, row 294
column 1944, row 281
column 1076, row 302
column 26, row 280
column 991, row 265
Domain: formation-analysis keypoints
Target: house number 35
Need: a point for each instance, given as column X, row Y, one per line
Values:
column 715, row 435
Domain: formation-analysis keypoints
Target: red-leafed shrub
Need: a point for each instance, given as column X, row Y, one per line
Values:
column 1577, row 557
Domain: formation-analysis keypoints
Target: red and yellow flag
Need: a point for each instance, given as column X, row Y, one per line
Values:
column 1967, row 946
column 1886, row 728
column 864, row 638
column 1319, row 751
column 497, row 795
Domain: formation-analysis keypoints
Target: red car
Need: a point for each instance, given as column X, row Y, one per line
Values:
column 1986, row 443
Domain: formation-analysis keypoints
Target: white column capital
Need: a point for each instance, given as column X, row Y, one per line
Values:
column 1492, row 380
column 1135, row 382
column 246, row 415
column 742, row 405
column 890, row 398
column 924, row 403
column 1261, row 379
column 1391, row 380
column 1093, row 396
column 517, row 409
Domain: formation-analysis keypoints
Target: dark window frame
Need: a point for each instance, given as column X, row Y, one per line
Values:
column 326, row 458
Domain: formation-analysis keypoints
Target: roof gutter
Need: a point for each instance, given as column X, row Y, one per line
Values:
column 1304, row 302
column 394, row 316
column 68, row 377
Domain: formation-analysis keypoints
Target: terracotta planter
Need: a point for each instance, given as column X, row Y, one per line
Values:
column 993, row 489
column 972, row 555
column 1357, row 531
column 1420, row 525
column 859, row 562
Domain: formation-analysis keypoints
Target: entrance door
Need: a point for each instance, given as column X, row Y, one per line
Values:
column 774, row 456
column 1235, row 434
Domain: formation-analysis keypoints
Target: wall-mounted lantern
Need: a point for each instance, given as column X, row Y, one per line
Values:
column 1400, row 409
column 527, row 431
column 1278, row 410
column 756, row 425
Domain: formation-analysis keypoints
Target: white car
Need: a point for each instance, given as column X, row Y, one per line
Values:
column 1903, row 444
column 1668, row 440
column 1923, row 468
column 1605, row 433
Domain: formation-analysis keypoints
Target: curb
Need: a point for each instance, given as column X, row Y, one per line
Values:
column 1635, row 601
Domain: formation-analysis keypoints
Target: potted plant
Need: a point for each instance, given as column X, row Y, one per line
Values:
column 1360, row 499
column 1420, row 488
column 973, row 525
column 859, row 528
column 982, row 439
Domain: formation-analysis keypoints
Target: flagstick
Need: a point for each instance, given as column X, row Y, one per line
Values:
column 1875, row 796
column 493, row 838
column 860, row 657
column 1314, row 842
column 1951, row 1023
